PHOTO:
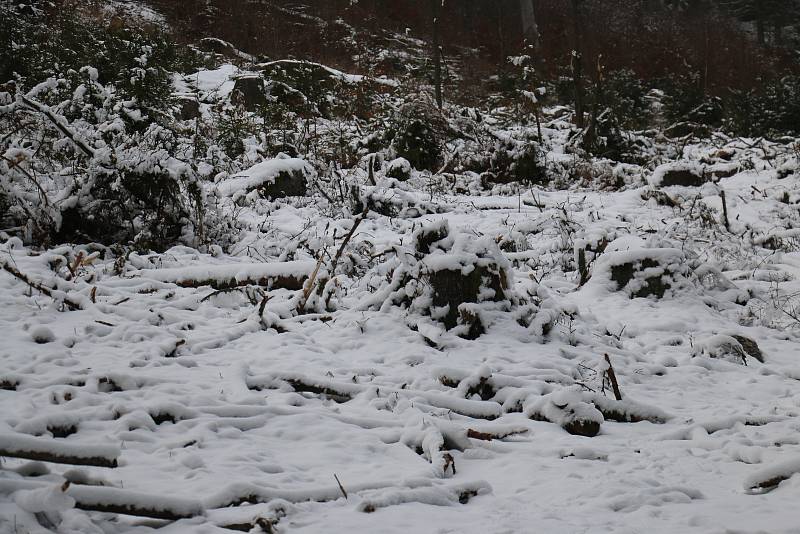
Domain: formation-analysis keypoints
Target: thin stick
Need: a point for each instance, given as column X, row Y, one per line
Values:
column 340, row 486
column 725, row 219
column 347, row 238
column 612, row 377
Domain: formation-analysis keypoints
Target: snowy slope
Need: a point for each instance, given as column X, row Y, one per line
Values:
column 197, row 393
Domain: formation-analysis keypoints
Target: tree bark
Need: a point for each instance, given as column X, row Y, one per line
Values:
column 530, row 29
column 437, row 52
column 577, row 63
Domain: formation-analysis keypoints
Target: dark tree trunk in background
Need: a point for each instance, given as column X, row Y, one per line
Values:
column 437, row 51
column 530, row 29
column 577, row 63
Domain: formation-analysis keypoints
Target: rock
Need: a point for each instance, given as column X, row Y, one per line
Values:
column 223, row 48
column 661, row 198
column 285, row 96
column 683, row 129
column 249, row 92
column 294, row 80
column 275, row 178
column 188, row 107
column 750, row 347
column 399, row 169
column 681, row 173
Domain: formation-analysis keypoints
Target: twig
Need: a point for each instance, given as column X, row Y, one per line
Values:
column 41, row 108
column 725, row 219
column 37, row 286
column 340, row 486
column 612, row 377
column 347, row 238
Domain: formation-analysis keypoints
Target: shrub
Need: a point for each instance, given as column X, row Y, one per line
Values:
column 418, row 133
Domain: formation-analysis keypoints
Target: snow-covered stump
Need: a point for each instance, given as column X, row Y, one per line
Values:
column 681, row 173
column 274, row 178
column 452, row 278
column 643, row 272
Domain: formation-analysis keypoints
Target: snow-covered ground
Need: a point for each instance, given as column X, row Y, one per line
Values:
column 220, row 405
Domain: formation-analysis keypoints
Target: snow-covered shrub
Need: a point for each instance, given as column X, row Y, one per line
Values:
column 626, row 96
column 512, row 161
column 687, row 102
column 103, row 179
column 771, row 109
column 417, row 130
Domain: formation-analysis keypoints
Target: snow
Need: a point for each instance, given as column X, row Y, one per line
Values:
column 217, row 410
column 49, row 499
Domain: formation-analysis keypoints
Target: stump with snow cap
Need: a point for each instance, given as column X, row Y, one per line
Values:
column 642, row 272
column 680, row 173
column 274, row 178
column 462, row 273
column 455, row 278
column 399, row 169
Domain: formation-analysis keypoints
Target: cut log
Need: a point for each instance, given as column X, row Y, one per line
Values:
column 117, row 501
column 45, row 450
column 289, row 275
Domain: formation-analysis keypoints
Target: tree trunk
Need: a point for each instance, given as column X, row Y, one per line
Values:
column 530, row 29
column 437, row 53
column 577, row 63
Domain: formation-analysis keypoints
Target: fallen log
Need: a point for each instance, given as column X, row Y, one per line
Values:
column 16, row 445
column 346, row 391
column 117, row 501
column 287, row 275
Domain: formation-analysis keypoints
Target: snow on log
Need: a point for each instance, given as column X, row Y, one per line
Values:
column 114, row 500
column 287, row 275
column 117, row 501
column 345, row 391
column 437, row 495
column 567, row 409
column 770, row 478
column 16, row 445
